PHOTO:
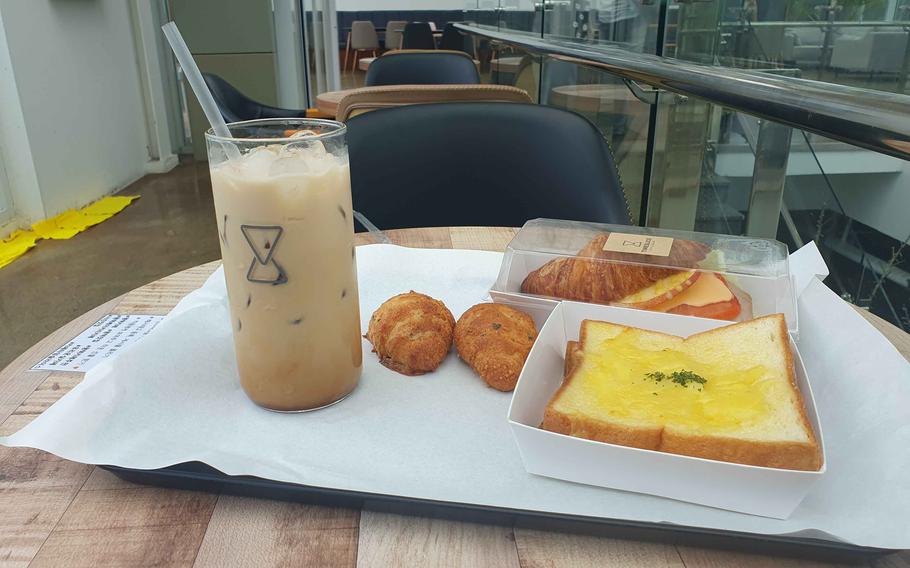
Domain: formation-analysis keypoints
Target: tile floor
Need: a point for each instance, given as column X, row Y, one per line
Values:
column 172, row 227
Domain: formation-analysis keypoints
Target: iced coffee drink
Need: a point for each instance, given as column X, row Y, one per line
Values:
column 282, row 194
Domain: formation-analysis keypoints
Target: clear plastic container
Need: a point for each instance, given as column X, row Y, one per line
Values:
column 721, row 277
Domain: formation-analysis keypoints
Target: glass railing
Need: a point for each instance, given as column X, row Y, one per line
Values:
column 865, row 44
column 820, row 194
column 872, row 55
column 755, row 150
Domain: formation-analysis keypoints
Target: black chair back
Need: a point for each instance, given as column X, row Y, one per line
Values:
column 422, row 68
column 481, row 164
column 452, row 39
column 235, row 106
column 418, row 35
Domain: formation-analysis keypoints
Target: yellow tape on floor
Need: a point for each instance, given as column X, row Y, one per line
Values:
column 16, row 245
column 63, row 226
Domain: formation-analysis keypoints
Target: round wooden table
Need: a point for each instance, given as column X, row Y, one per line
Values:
column 590, row 98
column 506, row 64
column 60, row 513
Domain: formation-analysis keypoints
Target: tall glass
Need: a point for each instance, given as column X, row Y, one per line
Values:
column 282, row 193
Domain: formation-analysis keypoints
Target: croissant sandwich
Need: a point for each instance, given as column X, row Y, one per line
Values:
column 669, row 283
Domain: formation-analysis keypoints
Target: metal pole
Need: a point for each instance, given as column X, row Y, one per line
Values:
column 828, row 42
column 772, row 151
column 902, row 77
column 652, row 123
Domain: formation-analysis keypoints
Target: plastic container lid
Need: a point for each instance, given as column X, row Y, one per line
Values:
column 621, row 258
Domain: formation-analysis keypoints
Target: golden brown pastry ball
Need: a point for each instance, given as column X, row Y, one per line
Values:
column 411, row 333
column 495, row 340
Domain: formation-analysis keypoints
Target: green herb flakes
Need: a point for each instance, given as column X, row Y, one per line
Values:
column 681, row 377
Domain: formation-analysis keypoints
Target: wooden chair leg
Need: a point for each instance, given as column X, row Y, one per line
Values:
column 347, row 51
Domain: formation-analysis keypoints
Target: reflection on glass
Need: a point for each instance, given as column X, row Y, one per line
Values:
column 679, row 145
column 482, row 12
column 685, row 163
column 865, row 44
column 513, row 67
column 520, row 15
column 610, row 105
column 628, row 23
column 692, row 31
column 843, row 198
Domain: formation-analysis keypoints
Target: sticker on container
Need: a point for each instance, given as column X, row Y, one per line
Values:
column 639, row 244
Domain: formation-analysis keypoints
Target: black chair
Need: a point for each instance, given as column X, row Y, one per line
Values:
column 418, row 35
column 422, row 68
column 235, row 106
column 452, row 39
column 481, row 164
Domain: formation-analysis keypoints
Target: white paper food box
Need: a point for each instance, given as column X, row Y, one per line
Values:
column 755, row 490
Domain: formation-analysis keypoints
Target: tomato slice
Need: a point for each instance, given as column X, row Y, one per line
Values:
column 728, row 310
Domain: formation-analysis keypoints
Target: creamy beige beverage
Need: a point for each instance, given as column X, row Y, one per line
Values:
column 286, row 230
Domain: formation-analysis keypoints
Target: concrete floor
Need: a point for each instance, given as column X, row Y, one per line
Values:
column 170, row 228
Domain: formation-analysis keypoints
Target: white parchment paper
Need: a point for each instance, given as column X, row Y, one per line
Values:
column 174, row 397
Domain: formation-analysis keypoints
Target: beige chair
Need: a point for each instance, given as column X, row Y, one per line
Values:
column 363, row 37
column 394, row 31
column 367, row 61
column 359, row 101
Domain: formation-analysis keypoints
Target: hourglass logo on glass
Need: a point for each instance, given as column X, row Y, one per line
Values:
column 263, row 241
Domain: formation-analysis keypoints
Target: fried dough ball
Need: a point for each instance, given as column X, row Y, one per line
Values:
column 411, row 333
column 495, row 340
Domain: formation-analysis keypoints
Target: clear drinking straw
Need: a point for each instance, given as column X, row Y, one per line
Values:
column 210, row 107
column 197, row 83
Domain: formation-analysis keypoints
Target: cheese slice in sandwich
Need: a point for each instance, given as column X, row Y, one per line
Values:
column 727, row 394
column 710, row 296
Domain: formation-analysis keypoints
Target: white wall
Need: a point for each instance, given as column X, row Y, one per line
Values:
column 6, row 203
column 355, row 5
column 289, row 55
column 20, row 176
column 75, row 69
column 872, row 188
column 882, row 202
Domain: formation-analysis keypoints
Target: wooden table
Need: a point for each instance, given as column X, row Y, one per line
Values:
column 506, row 64
column 59, row 513
column 590, row 98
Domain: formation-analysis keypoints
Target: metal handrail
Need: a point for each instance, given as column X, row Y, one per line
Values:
column 875, row 120
column 817, row 24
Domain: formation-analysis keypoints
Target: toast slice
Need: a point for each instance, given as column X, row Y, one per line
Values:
column 727, row 394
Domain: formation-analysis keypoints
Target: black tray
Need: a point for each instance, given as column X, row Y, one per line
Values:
column 201, row 477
